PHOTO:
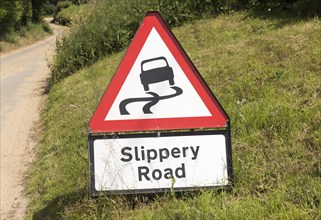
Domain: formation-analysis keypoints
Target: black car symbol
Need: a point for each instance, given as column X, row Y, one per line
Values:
column 157, row 74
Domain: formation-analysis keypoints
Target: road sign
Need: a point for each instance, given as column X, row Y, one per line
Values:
column 156, row 87
column 155, row 162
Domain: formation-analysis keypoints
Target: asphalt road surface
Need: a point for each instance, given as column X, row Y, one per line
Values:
column 23, row 79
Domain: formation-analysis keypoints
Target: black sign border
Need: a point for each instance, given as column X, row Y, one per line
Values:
column 92, row 137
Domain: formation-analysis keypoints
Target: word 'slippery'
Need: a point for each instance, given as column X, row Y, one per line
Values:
column 150, row 155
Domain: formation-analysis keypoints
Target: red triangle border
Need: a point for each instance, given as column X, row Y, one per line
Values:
column 219, row 118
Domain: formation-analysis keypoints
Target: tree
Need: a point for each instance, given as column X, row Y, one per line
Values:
column 37, row 6
column 11, row 13
column 17, row 13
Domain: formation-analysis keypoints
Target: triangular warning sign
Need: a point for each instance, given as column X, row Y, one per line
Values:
column 156, row 87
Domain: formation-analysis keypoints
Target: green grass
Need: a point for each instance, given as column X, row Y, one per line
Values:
column 265, row 73
column 25, row 36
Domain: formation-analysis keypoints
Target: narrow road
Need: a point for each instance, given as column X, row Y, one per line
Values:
column 23, row 78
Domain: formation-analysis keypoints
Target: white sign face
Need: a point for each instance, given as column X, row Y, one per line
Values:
column 160, row 162
column 156, row 87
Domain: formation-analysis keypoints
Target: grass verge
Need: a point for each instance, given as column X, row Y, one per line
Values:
column 26, row 36
column 266, row 74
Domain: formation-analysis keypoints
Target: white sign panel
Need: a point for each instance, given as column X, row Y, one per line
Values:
column 145, row 163
column 155, row 63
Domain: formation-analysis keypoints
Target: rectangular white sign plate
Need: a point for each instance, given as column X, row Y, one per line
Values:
column 155, row 162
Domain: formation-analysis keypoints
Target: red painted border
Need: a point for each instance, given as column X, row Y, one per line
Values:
column 98, row 124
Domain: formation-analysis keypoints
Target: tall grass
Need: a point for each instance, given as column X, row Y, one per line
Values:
column 265, row 73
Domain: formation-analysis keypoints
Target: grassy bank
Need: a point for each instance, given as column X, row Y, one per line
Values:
column 26, row 36
column 266, row 74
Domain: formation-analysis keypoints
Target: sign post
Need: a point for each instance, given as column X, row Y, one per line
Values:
column 158, row 125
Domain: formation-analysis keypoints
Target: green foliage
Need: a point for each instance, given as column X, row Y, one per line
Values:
column 266, row 75
column 25, row 36
column 27, row 13
column 69, row 15
column 106, row 29
column 49, row 9
column 63, row 4
column 10, row 16
column 15, row 14
column 37, row 7
column 60, row 6
column 108, row 26
column 68, row 11
column 46, row 27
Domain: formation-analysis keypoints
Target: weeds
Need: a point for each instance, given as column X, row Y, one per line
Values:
column 265, row 75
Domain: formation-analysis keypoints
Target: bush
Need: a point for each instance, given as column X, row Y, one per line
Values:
column 307, row 8
column 63, row 4
column 68, row 15
column 49, row 9
column 60, row 7
column 46, row 27
column 110, row 25
column 62, row 19
column 11, row 15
